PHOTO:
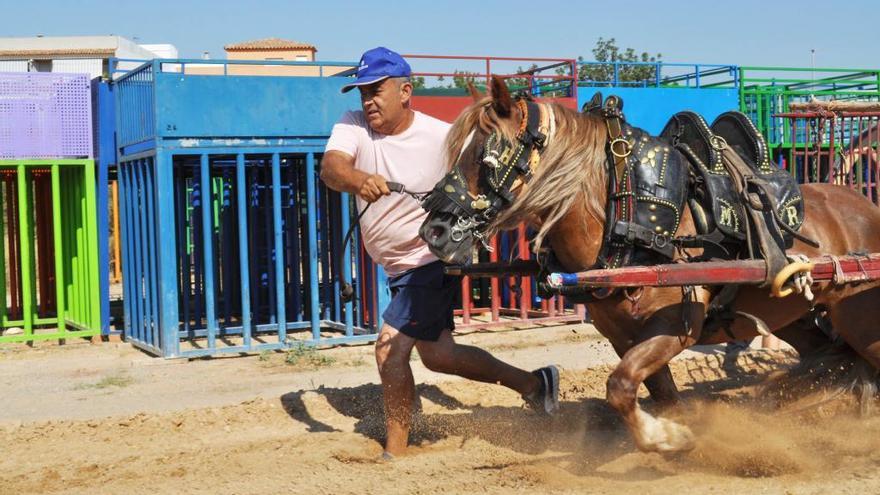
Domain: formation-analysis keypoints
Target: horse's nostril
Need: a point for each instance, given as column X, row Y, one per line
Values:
column 436, row 233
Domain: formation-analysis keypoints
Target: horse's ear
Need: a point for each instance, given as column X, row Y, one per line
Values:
column 502, row 102
column 473, row 91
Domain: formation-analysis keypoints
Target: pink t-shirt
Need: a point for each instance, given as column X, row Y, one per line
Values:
column 414, row 158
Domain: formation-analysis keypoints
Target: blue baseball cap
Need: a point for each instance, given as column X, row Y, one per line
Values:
column 377, row 65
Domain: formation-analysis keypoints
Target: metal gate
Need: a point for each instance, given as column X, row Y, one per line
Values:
column 230, row 243
column 835, row 146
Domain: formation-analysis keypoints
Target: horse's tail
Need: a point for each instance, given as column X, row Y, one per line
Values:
column 825, row 375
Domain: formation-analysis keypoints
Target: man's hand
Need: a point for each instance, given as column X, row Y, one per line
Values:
column 373, row 188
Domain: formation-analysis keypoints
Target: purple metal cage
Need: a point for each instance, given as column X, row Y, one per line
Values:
column 45, row 115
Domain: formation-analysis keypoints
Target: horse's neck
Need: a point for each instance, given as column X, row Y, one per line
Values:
column 577, row 239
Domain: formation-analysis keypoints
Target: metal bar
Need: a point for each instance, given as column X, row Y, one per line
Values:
column 152, row 271
column 58, row 247
column 525, row 303
column 125, row 239
column 466, row 299
column 311, row 205
column 25, row 235
column 169, row 322
column 208, row 250
column 278, row 237
column 140, row 253
column 243, row 258
column 81, row 239
column 345, row 223
column 747, row 272
column 93, row 298
column 494, row 283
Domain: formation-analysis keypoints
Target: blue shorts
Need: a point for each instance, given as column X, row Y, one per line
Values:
column 422, row 302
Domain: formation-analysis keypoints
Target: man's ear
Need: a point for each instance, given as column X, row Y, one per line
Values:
column 406, row 91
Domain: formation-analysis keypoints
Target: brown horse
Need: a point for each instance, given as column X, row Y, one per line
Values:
column 565, row 201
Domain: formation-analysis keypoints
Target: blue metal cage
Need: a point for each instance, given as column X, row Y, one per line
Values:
column 230, row 241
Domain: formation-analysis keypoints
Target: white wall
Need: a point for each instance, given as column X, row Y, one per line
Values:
column 162, row 50
column 93, row 67
column 13, row 66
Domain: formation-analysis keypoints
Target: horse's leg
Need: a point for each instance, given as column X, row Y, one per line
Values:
column 855, row 319
column 665, row 340
column 804, row 336
column 660, row 385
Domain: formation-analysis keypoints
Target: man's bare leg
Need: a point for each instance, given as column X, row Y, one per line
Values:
column 393, row 350
column 473, row 363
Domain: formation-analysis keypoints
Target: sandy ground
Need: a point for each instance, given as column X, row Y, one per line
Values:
column 109, row 419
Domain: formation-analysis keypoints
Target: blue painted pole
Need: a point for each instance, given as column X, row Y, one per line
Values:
column 152, row 271
column 208, row 250
column 313, row 246
column 165, row 247
column 279, row 248
column 140, row 254
column 346, row 261
column 243, row 258
column 125, row 239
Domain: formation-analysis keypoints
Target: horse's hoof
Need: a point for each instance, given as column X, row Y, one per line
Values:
column 664, row 436
column 677, row 438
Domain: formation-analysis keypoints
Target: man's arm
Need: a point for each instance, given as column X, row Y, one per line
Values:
column 338, row 172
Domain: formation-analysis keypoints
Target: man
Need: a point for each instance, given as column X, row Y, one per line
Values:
column 387, row 140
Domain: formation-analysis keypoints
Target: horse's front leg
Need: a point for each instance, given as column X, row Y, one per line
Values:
column 665, row 339
column 660, row 385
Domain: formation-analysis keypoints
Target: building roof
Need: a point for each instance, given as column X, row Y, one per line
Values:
column 270, row 44
column 59, row 52
column 71, row 47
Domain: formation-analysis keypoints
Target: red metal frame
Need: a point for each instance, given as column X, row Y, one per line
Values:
column 829, row 134
column 572, row 63
column 519, row 309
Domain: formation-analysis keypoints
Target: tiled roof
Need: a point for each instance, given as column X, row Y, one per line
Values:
column 270, row 44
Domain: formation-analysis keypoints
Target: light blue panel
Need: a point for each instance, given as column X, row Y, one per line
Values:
column 651, row 108
column 245, row 106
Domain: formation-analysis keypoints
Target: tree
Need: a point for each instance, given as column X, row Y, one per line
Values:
column 461, row 79
column 608, row 52
column 418, row 82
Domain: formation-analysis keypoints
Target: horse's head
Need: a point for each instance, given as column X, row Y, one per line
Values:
column 513, row 160
column 491, row 148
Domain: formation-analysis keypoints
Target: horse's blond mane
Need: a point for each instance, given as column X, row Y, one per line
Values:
column 571, row 169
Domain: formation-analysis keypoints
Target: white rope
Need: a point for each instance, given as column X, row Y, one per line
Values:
column 803, row 280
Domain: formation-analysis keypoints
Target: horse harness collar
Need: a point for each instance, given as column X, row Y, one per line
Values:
column 508, row 167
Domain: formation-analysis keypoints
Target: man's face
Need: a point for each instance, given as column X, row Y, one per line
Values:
column 385, row 103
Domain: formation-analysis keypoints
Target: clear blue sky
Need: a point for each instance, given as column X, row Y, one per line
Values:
column 746, row 32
